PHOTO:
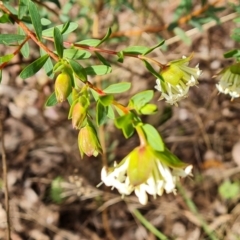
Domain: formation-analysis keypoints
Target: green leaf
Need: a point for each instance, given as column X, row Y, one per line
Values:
column 45, row 21
column 232, row 53
column 94, row 94
column 120, row 56
column 58, row 41
column 148, row 109
column 25, row 48
column 49, row 32
column 101, row 115
column 76, row 54
column 142, row 98
column 56, row 190
column 22, row 8
column 153, row 137
column 108, row 34
column 98, row 70
column 125, row 123
column 6, row 19
column 89, row 42
column 106, row 100
column 78, row 70
column 102, row 59
column 229, row 190
column 136, row 50
column 34, row 67
column 154, row 47
column 170, row 159
column 6, row 58
column 36, row 20
column 118, row 87
column 65, row 27
column 48, row 66
column 110, row 113
column 51, row 101
column 0, row 76
column 182, row 35
column 10, row 38
column 151, row 70
column 10, row 7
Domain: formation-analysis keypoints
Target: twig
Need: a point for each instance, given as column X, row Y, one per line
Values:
column 4, row 167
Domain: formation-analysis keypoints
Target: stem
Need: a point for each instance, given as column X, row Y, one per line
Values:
column 141, row 135
column 148, row 225
column 120, row 106
column 152, row 60
column 4, row 166
column 107, row 51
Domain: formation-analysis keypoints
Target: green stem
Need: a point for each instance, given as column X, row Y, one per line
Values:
column 141, row 135
column 149, row 226
column 194, row 210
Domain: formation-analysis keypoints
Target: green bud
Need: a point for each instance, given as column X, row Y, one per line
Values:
column 88, row 142
column 63, row 86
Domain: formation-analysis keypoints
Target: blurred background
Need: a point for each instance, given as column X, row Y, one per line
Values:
column 53, row 193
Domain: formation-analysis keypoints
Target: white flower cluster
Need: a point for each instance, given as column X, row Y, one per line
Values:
column 178, row 78
column 161, row 178
column 230, row 81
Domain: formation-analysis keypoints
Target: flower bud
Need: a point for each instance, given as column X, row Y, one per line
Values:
column 88, row 142
column 79, row 114
column 63, row 86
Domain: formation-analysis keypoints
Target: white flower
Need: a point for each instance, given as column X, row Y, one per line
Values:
column 178, row 77
column 161, row 178
column 230, row 81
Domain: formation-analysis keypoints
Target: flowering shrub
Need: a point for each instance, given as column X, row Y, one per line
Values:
column 148, row 169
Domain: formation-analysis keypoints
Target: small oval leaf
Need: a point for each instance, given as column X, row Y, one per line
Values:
column 11, row 38
column 36, row 20
column 58, row 41
column 136, row 50
column 34, row 67
column 153, row 137
column 78, row 70
column 89, row 42
column 102, row 112
column 76, row 54
column 52, row 100
column 98, row 70
column 118, row 87
column 49, row 32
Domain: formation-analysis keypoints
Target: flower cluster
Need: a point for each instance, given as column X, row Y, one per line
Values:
column 230, row 81
column 178, row 78
column 144, row 171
